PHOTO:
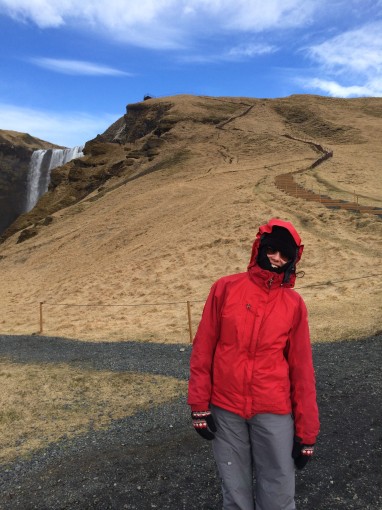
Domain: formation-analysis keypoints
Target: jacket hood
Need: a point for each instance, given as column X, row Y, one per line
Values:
column 290, row 276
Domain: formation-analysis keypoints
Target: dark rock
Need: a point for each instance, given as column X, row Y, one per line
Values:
column 27, row 234
column 15, row 153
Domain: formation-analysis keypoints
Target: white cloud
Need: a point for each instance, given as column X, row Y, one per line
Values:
column 67, row 129
column 77, row 67
column 250, row 50
column 349, row 64
column 358, row 51
column 335, row 89
column 236, row 54
column 258, row 15
column 43, row 13
column 163, row 23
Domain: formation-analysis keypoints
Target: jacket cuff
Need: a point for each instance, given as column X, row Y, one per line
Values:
column 309, row 440
column 200, row 407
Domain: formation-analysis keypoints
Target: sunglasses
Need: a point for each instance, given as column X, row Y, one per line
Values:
column 273, row 251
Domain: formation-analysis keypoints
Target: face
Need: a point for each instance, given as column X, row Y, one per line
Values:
column 276, row 258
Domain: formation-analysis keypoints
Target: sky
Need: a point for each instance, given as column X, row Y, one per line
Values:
column 69, row 68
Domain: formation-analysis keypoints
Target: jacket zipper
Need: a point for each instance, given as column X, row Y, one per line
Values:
column 246, row 387
column 248, row 307
column 270, row 283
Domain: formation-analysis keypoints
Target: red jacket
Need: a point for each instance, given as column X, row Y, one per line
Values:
column 252, row 352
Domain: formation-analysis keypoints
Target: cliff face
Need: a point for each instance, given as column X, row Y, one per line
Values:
column 15, row 154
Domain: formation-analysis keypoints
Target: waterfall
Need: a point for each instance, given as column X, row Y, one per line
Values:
column 41, row 164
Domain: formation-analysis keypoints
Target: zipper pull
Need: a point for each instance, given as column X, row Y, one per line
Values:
column 270, row 283
column 248, row 306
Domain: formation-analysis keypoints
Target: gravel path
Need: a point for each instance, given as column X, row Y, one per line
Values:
column 155, row 460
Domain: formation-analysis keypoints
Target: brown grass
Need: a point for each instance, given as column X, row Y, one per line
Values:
column 25, row 140
column 42, row 403
column 163, row 239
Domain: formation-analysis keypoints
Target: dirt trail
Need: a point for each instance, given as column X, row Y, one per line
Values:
column 286, row 183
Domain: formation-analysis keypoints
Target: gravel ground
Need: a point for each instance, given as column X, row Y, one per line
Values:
column 154, row 459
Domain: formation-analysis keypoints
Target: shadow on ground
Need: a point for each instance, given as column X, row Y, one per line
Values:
column 153, row 358
column 155, row 460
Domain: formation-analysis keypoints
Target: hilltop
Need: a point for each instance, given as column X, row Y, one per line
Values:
column 24, row 140
column 169, row 198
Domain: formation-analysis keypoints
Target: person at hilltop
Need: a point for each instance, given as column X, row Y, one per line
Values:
column 252, row 386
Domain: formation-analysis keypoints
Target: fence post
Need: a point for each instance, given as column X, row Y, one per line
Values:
column 41, row 318
column 189, row 320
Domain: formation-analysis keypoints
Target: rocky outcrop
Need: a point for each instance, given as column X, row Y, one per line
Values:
column 15, row 154
column 140, row 120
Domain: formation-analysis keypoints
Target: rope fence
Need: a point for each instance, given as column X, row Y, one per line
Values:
column 127, row 305
column 173, row 303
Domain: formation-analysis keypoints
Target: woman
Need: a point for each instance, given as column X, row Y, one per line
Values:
column 252, row 384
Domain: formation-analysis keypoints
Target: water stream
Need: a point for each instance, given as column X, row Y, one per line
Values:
column 40, row 166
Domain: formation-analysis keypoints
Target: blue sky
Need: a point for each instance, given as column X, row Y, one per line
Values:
column 69, row 68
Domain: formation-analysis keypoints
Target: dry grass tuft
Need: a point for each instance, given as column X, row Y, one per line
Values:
column 42, row 403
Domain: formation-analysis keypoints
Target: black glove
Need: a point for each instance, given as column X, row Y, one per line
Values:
column 204, row 424
column 301, row 453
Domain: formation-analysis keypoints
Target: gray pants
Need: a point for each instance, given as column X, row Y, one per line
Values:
column 260, row 447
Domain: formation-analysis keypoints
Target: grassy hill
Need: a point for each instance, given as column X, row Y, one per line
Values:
column 24, row 140
column 170, row 197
